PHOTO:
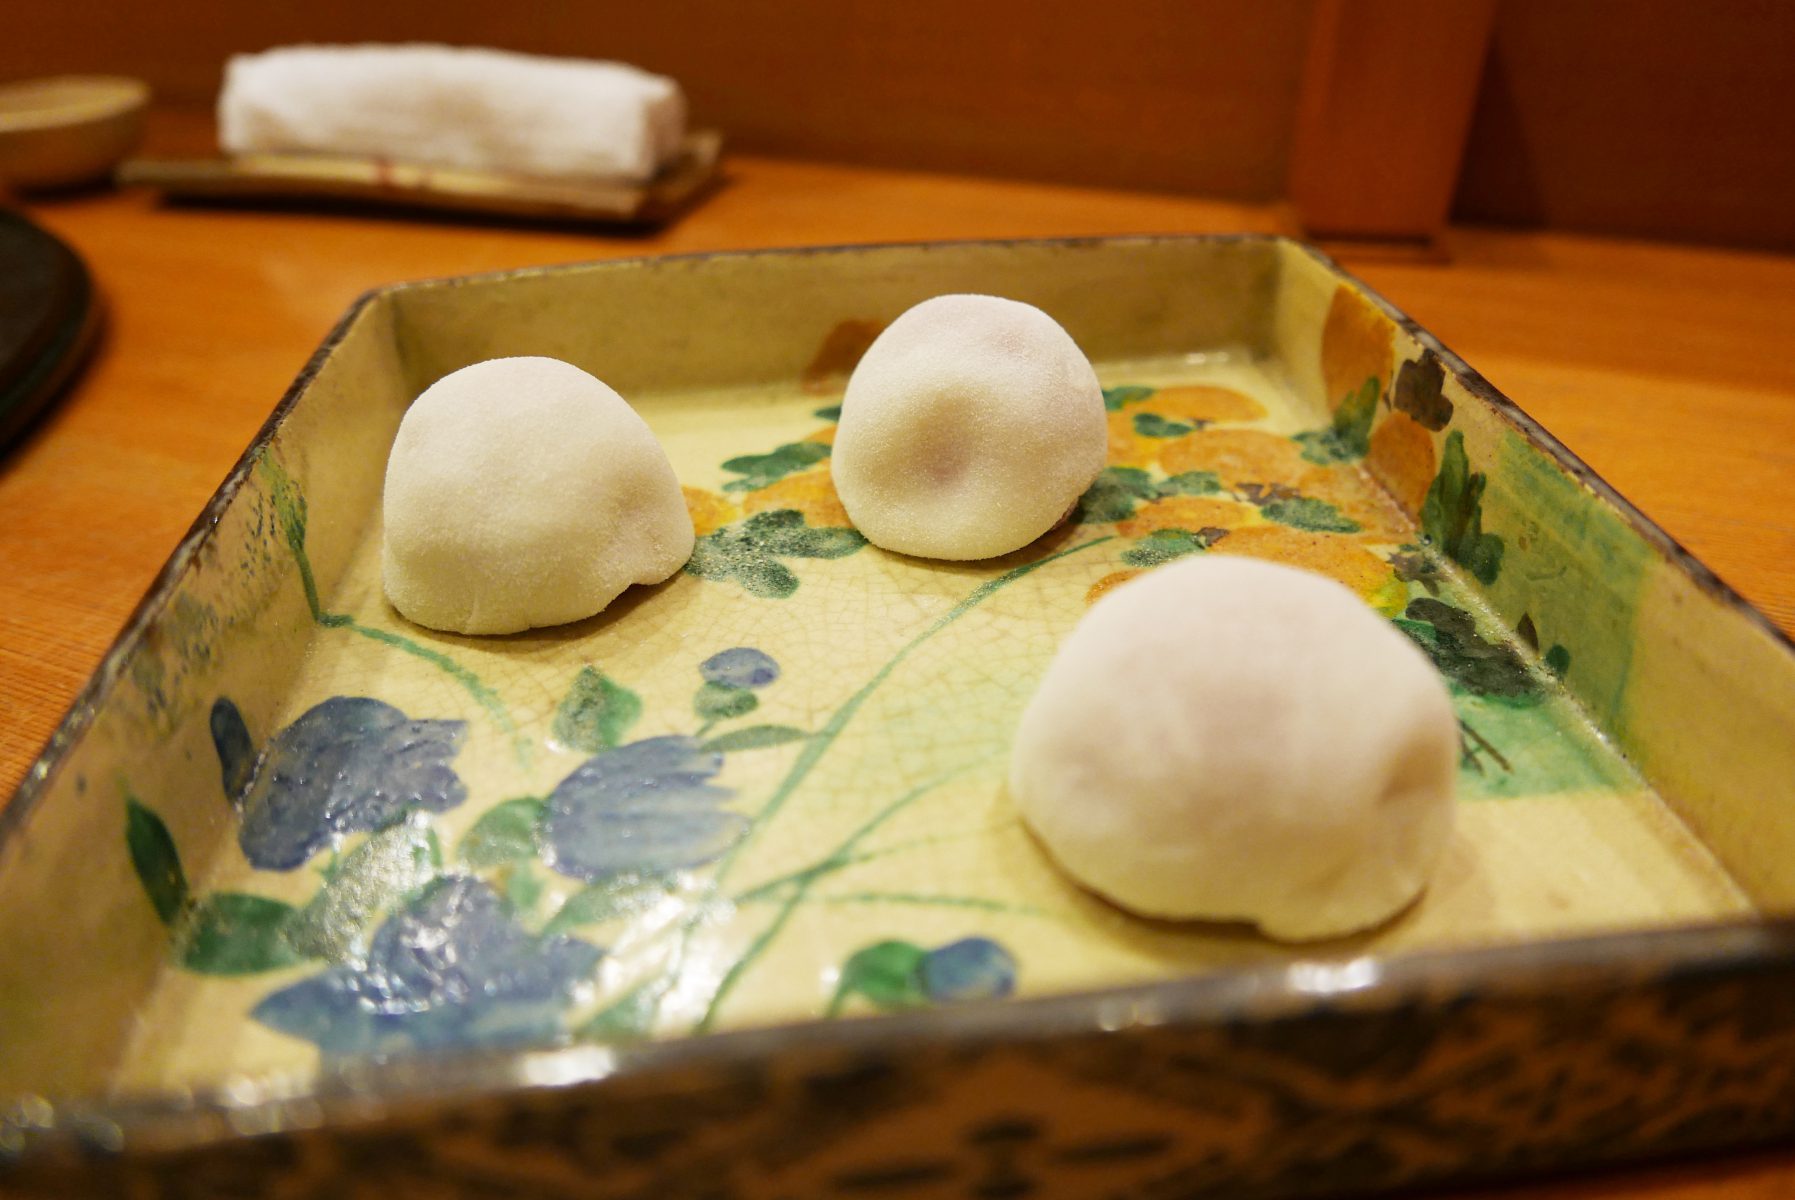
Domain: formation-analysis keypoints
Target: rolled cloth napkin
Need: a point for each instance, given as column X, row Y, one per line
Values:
column 489, row 110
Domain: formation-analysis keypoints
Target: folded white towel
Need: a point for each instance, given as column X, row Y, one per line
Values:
column 447, row 106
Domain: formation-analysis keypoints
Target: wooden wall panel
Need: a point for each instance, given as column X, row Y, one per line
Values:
column 1656, row 118
column 1185, row 95
column 1388, row 88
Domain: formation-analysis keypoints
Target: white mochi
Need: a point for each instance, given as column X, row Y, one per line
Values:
column 522, row 492
column 969, row 429
column 1231, row 740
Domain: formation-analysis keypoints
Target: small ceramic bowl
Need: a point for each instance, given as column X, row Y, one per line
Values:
column 68, row 129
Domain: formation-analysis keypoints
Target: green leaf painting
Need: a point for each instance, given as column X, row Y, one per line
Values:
column 505, row 833
column 226, row 933
column 1116, row 491
column 1452, row 514
column 1114, row 398
column 1305, row 512
column 895, row 975
column 1348, row 438
column 596, row 714
column 157, row 863
column 727, row 555
column 230, row 933
column 754, row 737
column 1190, row 483
column 1479, row 666
column 721, row 702
column 1155, row 426
column 783, row 532
column 1113, row 495
column 747, row 552
column 1164, row 545
column 759, row 470
column 887, row 974
column 523, row 887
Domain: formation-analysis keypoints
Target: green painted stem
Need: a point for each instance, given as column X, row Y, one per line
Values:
column 801, row 886
column 308, row 581
column 825, row 737
column 813, row 752
column 483, row 695
column 289, row 507
column 839, row 861
column 924, row 899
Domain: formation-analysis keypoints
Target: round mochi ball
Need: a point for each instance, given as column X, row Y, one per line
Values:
column 522, row 492
column 1228, row 739
column 971, row 427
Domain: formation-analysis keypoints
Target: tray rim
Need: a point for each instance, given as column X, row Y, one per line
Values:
column 371, row 1092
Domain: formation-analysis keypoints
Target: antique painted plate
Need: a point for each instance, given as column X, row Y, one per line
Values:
column 719, row 892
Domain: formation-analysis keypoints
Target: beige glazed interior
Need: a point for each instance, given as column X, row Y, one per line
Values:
column 838, row 717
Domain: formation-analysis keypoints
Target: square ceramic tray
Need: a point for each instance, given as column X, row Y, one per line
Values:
column 838, row 966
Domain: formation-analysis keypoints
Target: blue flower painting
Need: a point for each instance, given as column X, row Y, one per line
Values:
column 645, row 807
column 740, row 667
column 731, row 677
column 396, row 953
column 974, row 968
column 453, row 968
column 350, row 764
column 896, row 975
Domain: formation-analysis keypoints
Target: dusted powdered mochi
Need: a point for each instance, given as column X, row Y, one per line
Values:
column 523, row 492
column 970, row 428
column 1228, row 739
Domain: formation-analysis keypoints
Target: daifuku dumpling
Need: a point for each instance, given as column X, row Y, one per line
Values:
column 1228, row 739
column 970, row 428
column 523, row 492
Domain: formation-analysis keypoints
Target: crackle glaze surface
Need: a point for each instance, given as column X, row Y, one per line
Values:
column 771, row 789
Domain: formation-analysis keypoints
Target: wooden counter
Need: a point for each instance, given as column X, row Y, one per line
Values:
column 1667, row 368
